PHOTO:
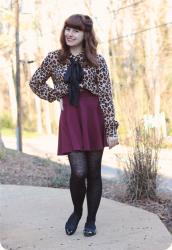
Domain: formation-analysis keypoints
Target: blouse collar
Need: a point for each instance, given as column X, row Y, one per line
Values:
column 78, row 57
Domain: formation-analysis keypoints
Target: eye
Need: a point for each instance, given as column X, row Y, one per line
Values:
column 76, row 30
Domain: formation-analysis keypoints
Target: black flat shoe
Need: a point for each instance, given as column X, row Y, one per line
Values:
column 89, row 229
column 72, row 223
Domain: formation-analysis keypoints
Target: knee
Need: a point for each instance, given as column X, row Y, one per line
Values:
column 80, row 175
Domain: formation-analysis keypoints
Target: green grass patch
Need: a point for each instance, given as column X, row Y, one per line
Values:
column 12, row 133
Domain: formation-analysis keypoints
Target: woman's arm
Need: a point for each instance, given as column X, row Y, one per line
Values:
column 38, row 81
column 105, row 98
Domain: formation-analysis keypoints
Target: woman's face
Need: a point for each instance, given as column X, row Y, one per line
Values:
column 73, row 37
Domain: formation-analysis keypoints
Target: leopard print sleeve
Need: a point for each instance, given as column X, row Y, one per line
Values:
column 105, row 98
column 38, row 81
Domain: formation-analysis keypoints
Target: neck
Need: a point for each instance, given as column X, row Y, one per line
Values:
column 76, row 50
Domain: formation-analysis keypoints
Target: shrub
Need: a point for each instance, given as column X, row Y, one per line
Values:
column 142, row 164
column 6, row 121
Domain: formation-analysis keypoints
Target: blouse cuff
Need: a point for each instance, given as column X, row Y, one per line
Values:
column 111, row 128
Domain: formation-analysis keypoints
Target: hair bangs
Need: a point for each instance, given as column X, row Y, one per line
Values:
column 74, row 22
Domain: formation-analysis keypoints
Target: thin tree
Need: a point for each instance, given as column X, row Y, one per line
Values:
column 18, row 97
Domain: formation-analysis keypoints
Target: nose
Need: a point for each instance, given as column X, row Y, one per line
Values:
column 70, row 32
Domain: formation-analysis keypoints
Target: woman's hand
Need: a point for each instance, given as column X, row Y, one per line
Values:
column 112, row 141
column 61, row 104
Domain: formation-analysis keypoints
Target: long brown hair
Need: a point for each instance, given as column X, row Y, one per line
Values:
column 84, row 23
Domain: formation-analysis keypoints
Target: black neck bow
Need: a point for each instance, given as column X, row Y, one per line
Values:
column 73, row 77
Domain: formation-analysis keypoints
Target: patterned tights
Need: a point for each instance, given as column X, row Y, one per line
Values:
column 86, row 165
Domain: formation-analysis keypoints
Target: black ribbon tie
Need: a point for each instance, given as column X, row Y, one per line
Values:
column 73, row 77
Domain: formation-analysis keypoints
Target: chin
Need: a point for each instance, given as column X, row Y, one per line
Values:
column 69, row 44
column 72, row 45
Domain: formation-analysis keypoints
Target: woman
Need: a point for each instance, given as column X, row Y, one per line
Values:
column 87, row 124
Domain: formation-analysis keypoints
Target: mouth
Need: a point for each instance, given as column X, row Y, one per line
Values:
column 69, row 40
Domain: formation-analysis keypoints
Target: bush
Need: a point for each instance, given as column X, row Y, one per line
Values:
column 142, row 164
column 6, row 121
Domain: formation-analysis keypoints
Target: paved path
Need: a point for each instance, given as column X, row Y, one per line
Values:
column 33, row 218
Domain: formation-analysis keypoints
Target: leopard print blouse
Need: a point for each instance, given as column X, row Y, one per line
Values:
column 96, row 80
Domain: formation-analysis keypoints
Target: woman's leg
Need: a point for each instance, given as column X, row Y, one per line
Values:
column 78, row 164
column 94, row 186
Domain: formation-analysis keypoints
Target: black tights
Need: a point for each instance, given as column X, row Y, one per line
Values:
column 86, row 165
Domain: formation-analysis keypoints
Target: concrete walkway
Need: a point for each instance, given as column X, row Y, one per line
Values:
column 34, row 218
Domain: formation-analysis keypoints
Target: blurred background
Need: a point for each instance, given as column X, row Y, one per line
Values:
column 135, row 37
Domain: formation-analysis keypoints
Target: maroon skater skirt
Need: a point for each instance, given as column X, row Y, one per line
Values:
column 81, row 128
